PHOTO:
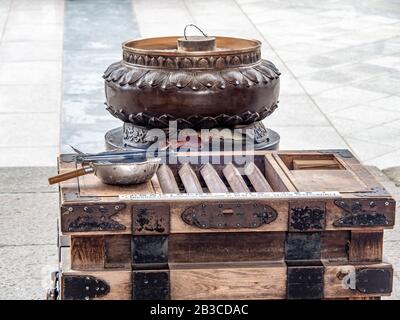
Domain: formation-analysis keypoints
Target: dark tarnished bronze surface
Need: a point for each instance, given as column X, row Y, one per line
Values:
column 91, row 217
column 229, row 215
column 366, row 213
column 150, row 285
column 156, row 83
column 307, row 216
column 150, row 219
column 83, row 287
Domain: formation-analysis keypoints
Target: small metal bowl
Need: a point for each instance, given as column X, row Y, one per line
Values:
column 126, row 173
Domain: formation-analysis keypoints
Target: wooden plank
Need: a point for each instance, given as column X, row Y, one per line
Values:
column 366, row 246
column 156, row 184
column 275, row 175
column 301, row 164
column 256, row 178
column 363, row 174
column 189, row 179
column 213, row 181
column 117, row 251
column 327, row 180
column 235, row 179
column 244, row 282
column 167, row 180
column 288, row 157
column 334, row 245
column 226, row 247
column 87, row 253
column 201, row 247
column 91, row 186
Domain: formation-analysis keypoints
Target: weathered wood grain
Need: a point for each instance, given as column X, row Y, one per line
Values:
column 226, row 247
column 334, row 245
column 366, row 246
column 257, row 178
column 212, row 179
column 302, row 164
column 167, row 180
column 91, row 186
column 156, row 184
column 275, row 175
column 87, row 253
column 189, row 179
column 244, row 282
column 117, row 251
column 235, row 179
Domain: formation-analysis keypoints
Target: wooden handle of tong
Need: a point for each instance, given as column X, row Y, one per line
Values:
column 71, row 174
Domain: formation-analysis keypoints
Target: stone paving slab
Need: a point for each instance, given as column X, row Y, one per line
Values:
column 26, row 180
column 32, row 98
column 25, row 271
column 42, row 127
column 28, row 219
column 29, row 208
column 23, row 156
column 30, row 81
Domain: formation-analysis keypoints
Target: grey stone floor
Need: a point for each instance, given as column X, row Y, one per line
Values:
column 28, row 238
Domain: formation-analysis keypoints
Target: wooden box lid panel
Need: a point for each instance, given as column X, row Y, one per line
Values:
column 362, row 202
column 275, row 170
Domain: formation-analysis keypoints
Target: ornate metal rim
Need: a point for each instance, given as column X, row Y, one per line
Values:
column 196, row 121
column 261, row 74
column 162, row 52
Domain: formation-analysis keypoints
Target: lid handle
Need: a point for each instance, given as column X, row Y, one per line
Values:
column 193, row 25
column 196, row 43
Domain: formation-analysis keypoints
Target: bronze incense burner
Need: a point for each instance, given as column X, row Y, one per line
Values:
column 200, row 82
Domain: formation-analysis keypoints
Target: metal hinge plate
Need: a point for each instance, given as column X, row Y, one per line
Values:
column 83, row 287
column 229, row 215
column 91, row 217
column 365, row 213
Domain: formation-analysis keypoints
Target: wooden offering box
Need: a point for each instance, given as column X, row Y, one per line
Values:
column 287, row 225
